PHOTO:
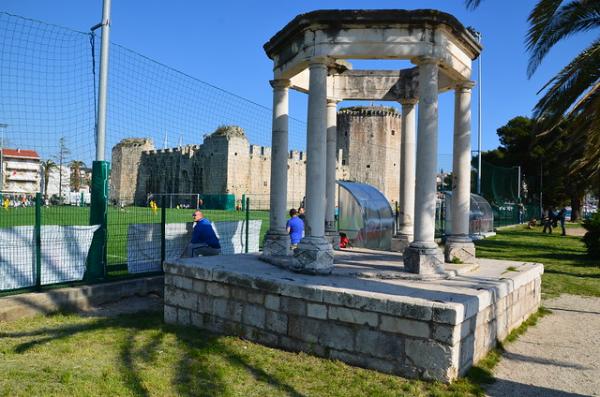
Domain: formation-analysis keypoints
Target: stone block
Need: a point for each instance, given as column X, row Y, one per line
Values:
column 354, row 301
column 363, row 361
column 254, row 315
column 298, row 345
column 303, row 292
column 240, row 294
column 424, row 261
column 182, row 282
column 169, row 279
column 316, row 310
column 400, row 243
column 411, row 309
column 197, row 320
column 276, row 322
column 217, row 290
column 276, row 244
column 380, row 344
column 448, row 313
column 336, row 336
column 256, row 297
column 181, row 298
column 353, row 316
column 272, row 302
column 184, row 316
column 304, row 329
column 293, row 306
column 199, row 286
column 436, row 360
column 464, row 251
column 313, row 256
column 228, row 309
column 170, row 314
column 452, row 334
column 205, row 304
column 404, row 326
column 260, row 336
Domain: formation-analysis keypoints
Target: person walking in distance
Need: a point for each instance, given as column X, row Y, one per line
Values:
column 295, row 228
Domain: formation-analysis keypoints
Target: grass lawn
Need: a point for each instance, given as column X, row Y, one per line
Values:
column 69, row 355
column 567, row 269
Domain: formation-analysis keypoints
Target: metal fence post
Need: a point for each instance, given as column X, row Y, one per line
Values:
column 38, row 241
column 247, row 222
column 163, row 229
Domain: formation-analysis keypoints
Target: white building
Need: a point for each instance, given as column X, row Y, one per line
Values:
column 20, row 171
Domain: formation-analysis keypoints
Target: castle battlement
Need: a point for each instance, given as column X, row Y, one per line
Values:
column 369, row 111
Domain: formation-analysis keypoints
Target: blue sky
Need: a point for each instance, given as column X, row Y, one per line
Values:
column 221, row 43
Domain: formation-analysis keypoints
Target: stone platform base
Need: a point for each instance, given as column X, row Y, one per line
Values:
column 360, row 314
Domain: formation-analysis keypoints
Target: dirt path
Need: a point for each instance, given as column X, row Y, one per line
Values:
column 559, row 357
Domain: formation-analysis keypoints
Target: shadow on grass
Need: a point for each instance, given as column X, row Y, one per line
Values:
column 195, row 374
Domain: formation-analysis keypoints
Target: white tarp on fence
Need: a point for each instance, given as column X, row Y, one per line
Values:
column 143, row 242
column 64, row 251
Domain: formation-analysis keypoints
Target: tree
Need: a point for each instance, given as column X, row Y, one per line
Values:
column 76, row 166
column 61, row 157
column 47, row 167
column 570, row 104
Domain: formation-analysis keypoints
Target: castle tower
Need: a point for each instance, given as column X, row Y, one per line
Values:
column 125, row 164
column 369, row 138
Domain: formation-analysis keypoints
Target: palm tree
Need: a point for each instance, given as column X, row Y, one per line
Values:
column 569, row 109
column 76, row 167
column 572, row 97
column 47, row 167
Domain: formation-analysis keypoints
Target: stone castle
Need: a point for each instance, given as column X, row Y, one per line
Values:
column 368, row 143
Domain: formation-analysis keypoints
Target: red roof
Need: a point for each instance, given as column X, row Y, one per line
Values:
column 20, row 153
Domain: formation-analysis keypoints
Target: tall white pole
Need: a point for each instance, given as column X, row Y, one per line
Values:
column 101, row 129
column 479, row 120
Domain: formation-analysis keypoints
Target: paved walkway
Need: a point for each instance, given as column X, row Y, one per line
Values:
column 559, row 357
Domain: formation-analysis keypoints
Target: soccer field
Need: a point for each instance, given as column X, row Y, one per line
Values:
column 119, row 220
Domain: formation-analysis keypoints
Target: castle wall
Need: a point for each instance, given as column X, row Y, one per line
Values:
column 125, row 164
column 368, row 151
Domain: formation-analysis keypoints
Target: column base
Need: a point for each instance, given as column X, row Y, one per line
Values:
column 314, row 255
column 400, row 242
column 333, row 237
column 459, row 249
column 276, row 244
column 424, row 259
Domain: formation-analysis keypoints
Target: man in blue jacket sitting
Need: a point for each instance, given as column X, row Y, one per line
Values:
column 204, row 240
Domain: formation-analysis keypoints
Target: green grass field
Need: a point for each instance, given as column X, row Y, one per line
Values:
column 119, row 220
column 567, row 268
column 138, row 355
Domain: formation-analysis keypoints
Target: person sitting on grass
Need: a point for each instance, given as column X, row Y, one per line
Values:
column 204, row 239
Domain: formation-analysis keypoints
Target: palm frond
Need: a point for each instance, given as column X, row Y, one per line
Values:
column 550, row 23
column 472, row 4
column 574, row 81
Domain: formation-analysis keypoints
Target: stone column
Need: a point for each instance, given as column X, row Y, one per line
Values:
column 423, row 256
column 407, row 177
column 459, row 245
column 277, row 241
column 331, row 232
column 315, row 254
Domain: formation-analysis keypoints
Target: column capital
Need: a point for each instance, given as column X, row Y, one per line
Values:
column 319, row 61
column 408, row 101
column 464, row 86
column 333, row 101
column 280, row 83
column 426, row 60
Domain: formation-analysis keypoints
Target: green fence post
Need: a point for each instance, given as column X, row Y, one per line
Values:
column 163, row 230
column 38, row 241
column 96, row 262
column 243, row 202
column 247, row 221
